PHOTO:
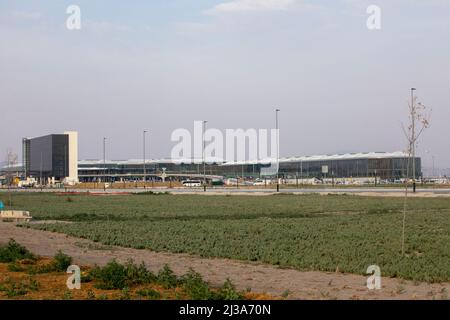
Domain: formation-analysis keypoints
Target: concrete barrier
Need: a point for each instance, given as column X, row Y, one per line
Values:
column 15, row 216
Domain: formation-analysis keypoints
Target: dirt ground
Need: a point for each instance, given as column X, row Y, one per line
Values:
column 267, row 279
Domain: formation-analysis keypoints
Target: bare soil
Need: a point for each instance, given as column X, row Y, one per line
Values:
column 266, row 279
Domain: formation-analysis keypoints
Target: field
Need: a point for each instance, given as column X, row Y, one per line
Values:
column 307, row 232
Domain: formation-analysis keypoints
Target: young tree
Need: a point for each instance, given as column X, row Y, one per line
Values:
column 11, row 162
column 419, row 120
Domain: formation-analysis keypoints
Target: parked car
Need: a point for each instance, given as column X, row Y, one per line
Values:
column 192, row 183
column 259, row 182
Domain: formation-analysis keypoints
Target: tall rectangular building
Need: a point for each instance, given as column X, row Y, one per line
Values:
column 73, row 157
column 52, row 156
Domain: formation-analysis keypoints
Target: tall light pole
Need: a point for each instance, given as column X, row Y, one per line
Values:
column 278, row 147
column 104, row 164
column 434, row 169
column 143, row 151
column 433, row 172
column 203, row 154
column 413, row 129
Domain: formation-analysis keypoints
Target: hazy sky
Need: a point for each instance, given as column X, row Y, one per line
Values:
column 161, row 64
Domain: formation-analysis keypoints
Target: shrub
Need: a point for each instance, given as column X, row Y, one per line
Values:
column 117, row 276
column 196, row 287
column 111, row 276
column 67, row 295
column 15, row 267
column 16, row 290
column 167, row 278
column 85, row 278
column 14, row 251
column 13, row 289
column 228, row 292
column 149, row 293
column 125, row 294
column 62, row 261
column 33, row 284
column 138, row 274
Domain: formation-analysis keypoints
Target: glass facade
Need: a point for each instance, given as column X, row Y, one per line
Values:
column 388, row 168
column 385, row 168
column 46, row 156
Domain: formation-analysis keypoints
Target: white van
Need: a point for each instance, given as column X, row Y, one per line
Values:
column 192, row 183
column 260, row 182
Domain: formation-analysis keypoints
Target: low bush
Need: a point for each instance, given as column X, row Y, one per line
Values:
column 62, row 261
column 60, row 264
column 149, row 293
column 13, row 289
column 112, row 276
column 167, row 278
column 13, row 251
column 138, row 274
column 15, row 267
column 117, row 276
column 229, row 292
column 122, row 277
column 194, row 285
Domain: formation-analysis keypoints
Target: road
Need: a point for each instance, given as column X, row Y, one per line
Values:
column 260, row 191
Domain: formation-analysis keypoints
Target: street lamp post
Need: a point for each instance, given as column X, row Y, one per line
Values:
column 434, row 169
column 104, row 164
column 301, row 171
column 278, row 147
column 203, row 154
column 143, row 151
column 433, row 172
column 413, row 142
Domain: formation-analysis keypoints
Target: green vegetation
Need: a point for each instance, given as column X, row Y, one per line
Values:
column 62, row 261
column 16, row 289
column 149, row 293
column 117, row 276
column 45, row 206
column 129, row 279
column 167, row 278
column 307, row 232
column 13, row 251
column 15, row 267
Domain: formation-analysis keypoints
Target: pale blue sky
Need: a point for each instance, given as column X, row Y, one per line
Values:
column 160, row 65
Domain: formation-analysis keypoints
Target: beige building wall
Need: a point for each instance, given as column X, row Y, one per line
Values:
column 73, row 156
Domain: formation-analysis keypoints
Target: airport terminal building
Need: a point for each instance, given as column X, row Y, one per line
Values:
column 387, row 166
column 54, row 158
